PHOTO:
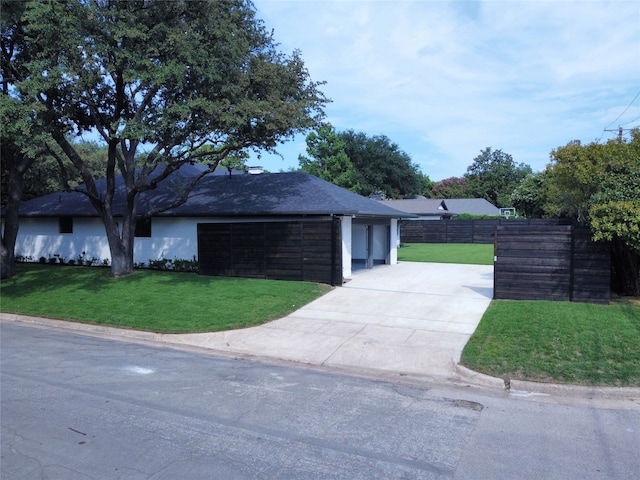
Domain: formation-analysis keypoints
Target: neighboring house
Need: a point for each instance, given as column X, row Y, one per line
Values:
column 424, row 208
column 270, row 225
column 473, row 206
column 442, row 209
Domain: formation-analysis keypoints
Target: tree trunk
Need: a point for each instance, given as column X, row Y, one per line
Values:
column 7, row 261
column 16, row 167
column 120, row 245
column 121, row 263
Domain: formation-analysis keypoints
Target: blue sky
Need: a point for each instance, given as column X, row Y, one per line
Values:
column 446, row 79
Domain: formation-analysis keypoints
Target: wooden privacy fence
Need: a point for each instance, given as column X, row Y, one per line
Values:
column 550, row 262
column 283, row 250
column 460, row 231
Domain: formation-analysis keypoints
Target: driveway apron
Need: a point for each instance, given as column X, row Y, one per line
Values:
column 409, row 319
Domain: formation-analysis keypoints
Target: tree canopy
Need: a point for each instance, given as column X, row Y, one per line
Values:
column 157, row 78
column 365, row 165
column 600, row 184
column 494, row 175
column 534, row 196
column 328, row 160
column 383, row 168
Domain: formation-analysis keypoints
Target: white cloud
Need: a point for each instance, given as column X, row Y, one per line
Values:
column 444, row 80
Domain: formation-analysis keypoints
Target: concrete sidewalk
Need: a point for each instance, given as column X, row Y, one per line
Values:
column 408, row 319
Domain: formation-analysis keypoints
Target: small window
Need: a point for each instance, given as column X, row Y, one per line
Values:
column 66, row 224
column 143, row 228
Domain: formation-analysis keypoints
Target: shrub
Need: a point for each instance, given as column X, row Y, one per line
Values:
column 184, row 265
column 160, row 264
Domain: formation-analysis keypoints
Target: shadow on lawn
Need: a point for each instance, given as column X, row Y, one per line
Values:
column 35, row 278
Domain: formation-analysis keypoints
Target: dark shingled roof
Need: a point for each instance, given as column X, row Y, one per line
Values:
column 419, row 206
column 449, row 207
column 293, row 193
column 474, row 206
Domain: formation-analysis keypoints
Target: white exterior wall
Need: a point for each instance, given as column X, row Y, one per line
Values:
column 394, row 241
column 346, row 227
column 380, row 242
column 170, row 238
column 41, row 237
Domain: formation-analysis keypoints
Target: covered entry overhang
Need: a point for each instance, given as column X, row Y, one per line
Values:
column 369, row 241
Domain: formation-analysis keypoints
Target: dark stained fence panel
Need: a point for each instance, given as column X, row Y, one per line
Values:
column 591, row 268
column 550, row 262
column 462, row 231
column 288, row 250
column 214, row 247
column 432, row 231
column 532, row 263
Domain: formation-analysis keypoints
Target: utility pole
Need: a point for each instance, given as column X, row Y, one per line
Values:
column 620, row 130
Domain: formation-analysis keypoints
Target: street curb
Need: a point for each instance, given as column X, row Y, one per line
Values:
column 524, row 389
column 478, row 378
column 521, row 388
column 89, row 328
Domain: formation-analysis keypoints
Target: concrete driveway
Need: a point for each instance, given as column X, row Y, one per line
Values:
column 408, row 319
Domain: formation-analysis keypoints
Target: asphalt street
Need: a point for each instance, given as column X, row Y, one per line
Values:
column 78, row 406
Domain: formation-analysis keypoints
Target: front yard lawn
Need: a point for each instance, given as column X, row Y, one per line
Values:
column 467, row 253
column 558, row 342
column 167, row 302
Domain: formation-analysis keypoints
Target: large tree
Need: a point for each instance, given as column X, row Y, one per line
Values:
column 494, row 175
column 161, row 78
column 19, row 150
column 535, row 197
column 362, row 164
column 600, row 184
column 328, row 160
column 381, row 166
column 22, row 138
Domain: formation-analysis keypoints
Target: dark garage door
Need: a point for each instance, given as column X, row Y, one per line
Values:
column 289, row 250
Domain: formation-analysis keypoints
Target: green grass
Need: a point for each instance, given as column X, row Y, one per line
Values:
column 467, row 253
column 559, row 342
column 150, row 300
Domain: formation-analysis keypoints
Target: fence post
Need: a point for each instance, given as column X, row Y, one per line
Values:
column 571, row 260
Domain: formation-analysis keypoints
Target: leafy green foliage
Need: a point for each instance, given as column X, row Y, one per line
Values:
column 494, row 175
column 362, row 164
column 533, row 197
column 381, row 166
column 328, row 160
column 600, row 184
column 427, row 185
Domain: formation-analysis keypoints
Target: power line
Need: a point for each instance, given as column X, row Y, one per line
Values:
column 624, row 111
column 631, row 121
column 620, row 130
